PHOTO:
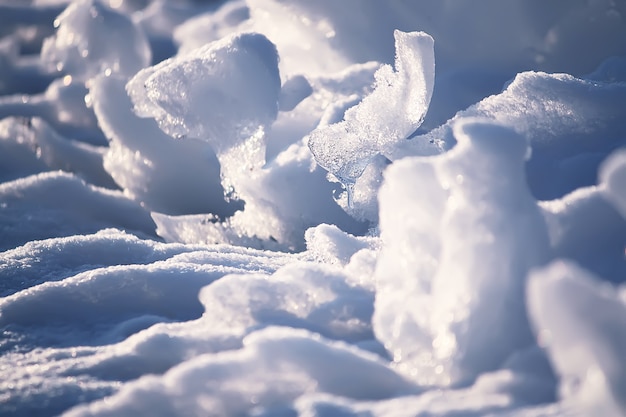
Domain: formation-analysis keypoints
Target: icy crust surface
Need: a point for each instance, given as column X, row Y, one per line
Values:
column 281, row 208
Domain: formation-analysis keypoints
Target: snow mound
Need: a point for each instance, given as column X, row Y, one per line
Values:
column 582, row 324
column 244, row 381
column 613, row 174
column 571, row 123
column 55, row 203
column 154, row 169
column 459, row 264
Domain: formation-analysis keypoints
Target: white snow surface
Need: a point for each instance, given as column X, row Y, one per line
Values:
column 298, row 208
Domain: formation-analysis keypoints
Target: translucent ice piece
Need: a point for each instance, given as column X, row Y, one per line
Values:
column 393, row 111
column 225, row 93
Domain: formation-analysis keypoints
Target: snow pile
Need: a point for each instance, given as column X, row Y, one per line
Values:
column 271, row 207
column 463, row 285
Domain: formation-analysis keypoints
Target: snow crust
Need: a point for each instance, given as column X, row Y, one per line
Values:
column 296, row 208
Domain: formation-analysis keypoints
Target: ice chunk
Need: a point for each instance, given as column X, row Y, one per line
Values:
column 291, row 192
column 163, row 174
column 390, row 114
column 225, row 93
column 460, row 233
column 92, row 39
column 582, row 324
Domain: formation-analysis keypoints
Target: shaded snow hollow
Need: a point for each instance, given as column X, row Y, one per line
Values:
column 295, row 208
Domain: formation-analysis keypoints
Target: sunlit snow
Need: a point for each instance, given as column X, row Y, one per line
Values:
column 312, row 208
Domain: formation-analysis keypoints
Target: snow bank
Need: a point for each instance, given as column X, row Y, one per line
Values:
column 572, row 125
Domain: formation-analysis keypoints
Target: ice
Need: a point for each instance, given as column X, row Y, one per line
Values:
column 225, row 93
column 276, row 213
column 402, row 95
column 164, row 175
column 581, row 322
column 92, row 39
column 460, row 263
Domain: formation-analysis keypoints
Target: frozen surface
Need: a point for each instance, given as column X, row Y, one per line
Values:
column 327, row 208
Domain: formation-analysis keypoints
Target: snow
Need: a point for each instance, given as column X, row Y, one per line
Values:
column 280, row 208
column 471, row 260
column 581, row 323
column 91, row 39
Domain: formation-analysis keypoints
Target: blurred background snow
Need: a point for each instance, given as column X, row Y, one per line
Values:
column 286, row 207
